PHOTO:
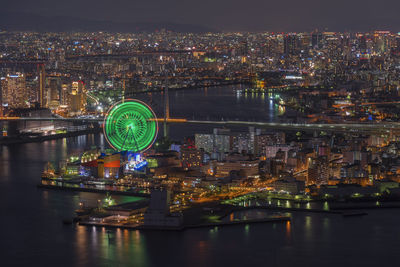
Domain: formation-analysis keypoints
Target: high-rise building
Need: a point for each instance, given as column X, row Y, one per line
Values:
column 53, row 91
column 205, row 142
column 318, row 171
column 381, row 41
column 77, row 98
column 363, row 43
column 316, row 39
column 14, row 93
column 219, row 141
column 304, row 41
column 54, row 88
column 42, row 81
column 64, row 97
column 397, row 42
column 290, row 44
column 1, row 96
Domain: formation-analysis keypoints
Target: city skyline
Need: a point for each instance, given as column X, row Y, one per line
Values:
column 189, row 133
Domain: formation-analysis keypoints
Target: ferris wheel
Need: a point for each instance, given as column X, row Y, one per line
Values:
column 130, row 125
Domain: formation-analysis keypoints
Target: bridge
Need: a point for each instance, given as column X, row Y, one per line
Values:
column 125, row 56
column 356, row 128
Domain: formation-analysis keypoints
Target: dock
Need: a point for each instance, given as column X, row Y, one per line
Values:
column 93, row 190
column 274, row 219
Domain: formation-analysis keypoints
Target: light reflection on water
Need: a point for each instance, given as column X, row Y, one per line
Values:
column 110, row 246
column 288, row 231
column 247, row 215
column 32, row 231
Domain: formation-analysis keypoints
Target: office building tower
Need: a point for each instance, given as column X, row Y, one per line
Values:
column 14, row 93
column 1, row 96
column 64, row 97
column 318, row 171
column 53, row 91
column 77, row 98
column 290, row 44
column 42, row 84
column 316, row 39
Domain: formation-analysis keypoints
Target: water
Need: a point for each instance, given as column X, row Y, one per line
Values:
column 253, row 214
column 32, row 233
column 216, row 103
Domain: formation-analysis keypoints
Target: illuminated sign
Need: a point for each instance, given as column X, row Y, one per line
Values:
column 293, row 77
column 140, row 165
column 136, row 162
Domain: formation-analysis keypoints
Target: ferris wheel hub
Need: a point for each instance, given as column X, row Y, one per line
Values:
column 130, row 125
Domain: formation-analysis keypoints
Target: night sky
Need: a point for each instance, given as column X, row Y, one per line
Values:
column 225, row 15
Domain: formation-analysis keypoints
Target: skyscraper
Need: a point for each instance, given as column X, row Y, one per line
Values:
column 290, row 44
column 14, row 93
column 77, row 98
column 42, row 81
column 64, row 98
column 1, row 96
column 363, row 44
column 53, row 91
column 316, row 39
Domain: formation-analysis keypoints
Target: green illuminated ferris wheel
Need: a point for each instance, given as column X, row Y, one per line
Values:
column 130, row 125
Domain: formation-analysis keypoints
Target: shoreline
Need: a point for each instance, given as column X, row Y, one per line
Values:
column 23, row 140
column 92, row 190
column 281, row 219
column 190, row 87
column 19, row 140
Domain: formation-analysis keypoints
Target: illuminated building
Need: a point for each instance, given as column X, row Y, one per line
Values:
column 14, row 93
column 222, row 143
column 216, row 144
column 316, row 39
column 363, row 43
column 53, row 92
column 42, row 81
column 205, row 142
column 159, row 164
column 318, row 172
column 1, row 96
column 354, row 174
column 77, row 98
column 262, row 140
column 354, row 156
column 397, row 45
column 293, row 161
column 291, row 44
column 347, row 190
column 191, row 157
column 64, row 95
column 271, row 150
column 289, row 185
column 108, row 166
column 237, row 162
column 381, row 42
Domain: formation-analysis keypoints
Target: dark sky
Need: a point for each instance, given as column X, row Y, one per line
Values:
column 226, row 15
